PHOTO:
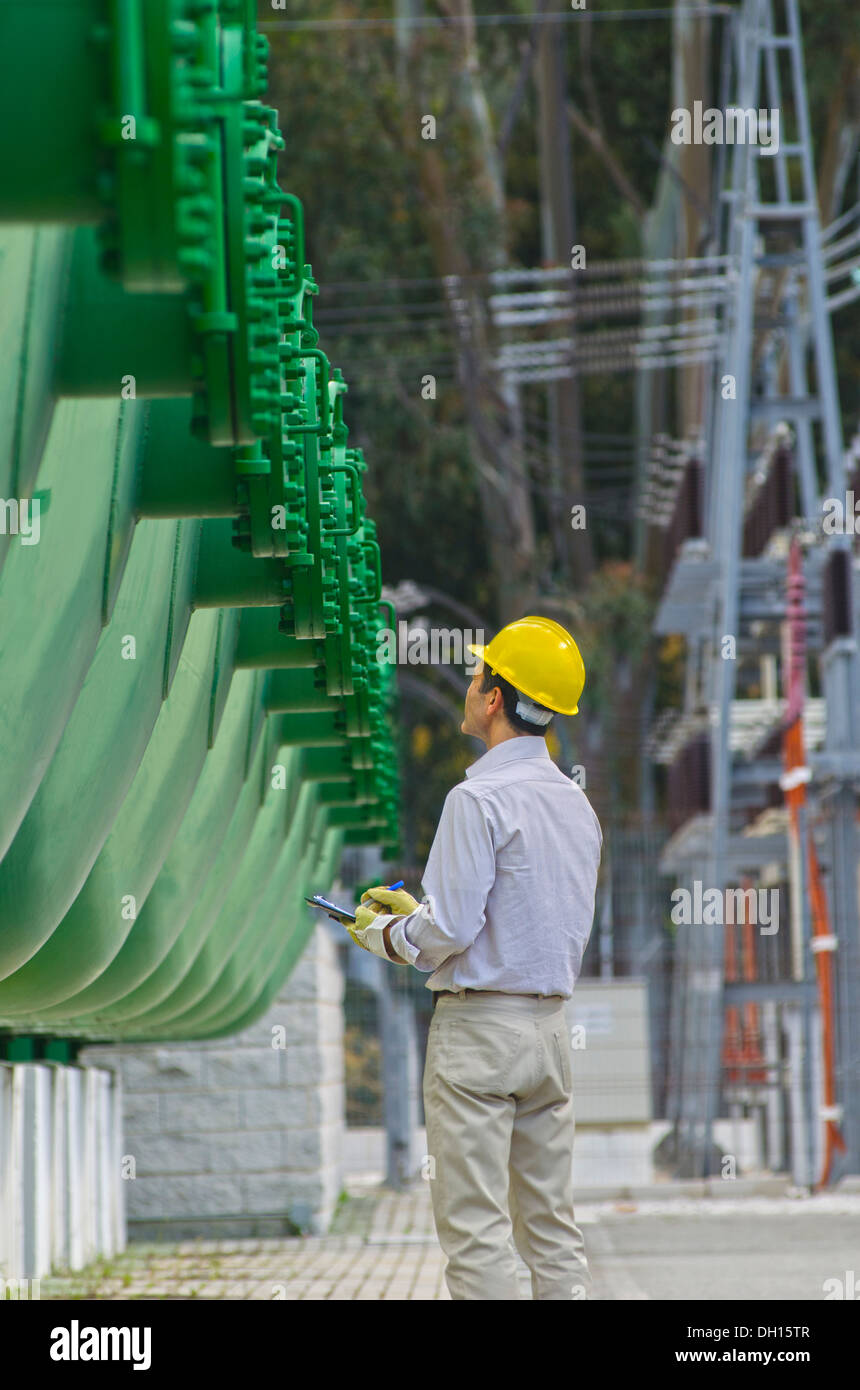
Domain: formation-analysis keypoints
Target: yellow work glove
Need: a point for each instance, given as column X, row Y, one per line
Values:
column 378, row 902
column 365, row 933
column 391, row 900
column 363, row 919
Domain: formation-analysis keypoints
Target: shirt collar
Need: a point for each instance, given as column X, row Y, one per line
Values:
column 511, row 750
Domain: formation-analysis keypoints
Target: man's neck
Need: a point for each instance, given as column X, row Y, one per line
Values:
column 501, row 735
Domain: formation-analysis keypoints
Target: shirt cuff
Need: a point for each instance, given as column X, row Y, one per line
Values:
column 403, row 948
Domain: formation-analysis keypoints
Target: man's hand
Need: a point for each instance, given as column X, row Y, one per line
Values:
column 370, row 937
column 364, row 916
column 390, row 900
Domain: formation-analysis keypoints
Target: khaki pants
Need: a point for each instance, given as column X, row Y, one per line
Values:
column 499, row 1110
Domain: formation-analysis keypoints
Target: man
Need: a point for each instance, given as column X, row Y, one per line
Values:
column 509, row 900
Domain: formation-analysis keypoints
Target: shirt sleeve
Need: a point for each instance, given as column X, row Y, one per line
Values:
column 461, row 869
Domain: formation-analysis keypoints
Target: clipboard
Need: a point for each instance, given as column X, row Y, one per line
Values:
column 338, row 914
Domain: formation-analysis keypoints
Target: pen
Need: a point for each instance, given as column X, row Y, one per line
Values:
column 399, row 884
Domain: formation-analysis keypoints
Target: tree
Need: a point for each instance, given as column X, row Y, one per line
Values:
column 464, row 260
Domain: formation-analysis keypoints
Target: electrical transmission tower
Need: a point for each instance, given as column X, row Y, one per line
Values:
column 773, row 450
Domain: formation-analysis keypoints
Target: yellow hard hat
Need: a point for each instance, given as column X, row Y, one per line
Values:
column 540, row 659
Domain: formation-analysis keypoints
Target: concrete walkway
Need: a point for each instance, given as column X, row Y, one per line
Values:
column 382, row 1246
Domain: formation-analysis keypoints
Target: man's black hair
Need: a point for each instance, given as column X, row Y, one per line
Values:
column 510, row 696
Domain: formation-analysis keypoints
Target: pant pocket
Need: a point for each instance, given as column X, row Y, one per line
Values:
column 562, row 1047
column 479, row 1053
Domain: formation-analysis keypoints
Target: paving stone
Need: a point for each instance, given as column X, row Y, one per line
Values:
column 341, row 1266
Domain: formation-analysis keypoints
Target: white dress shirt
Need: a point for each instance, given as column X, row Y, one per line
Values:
column 510, row 880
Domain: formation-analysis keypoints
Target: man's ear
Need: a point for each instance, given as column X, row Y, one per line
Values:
column 496, row 691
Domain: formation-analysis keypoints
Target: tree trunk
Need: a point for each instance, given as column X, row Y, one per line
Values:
column 492, row 413
column 573, row 550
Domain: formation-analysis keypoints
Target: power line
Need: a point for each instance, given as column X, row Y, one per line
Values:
column 355, row 327
column 622, row 265
column 592, row 435
column 491, row 21
column 396, row 306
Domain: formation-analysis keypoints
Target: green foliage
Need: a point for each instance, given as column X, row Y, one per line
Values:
column 347, row 157
column 618, row 613
column 351, row 157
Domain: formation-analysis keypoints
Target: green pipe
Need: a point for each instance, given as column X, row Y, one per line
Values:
column 170, row 986
column 114, row 341
column 261, row 644
column 256, row 923
column 237, row 896
column 81, row 944
column 312, row 731
column 33, row 274
column 298, row 692
column 50, row 166
column 192, row 847
column 53, row 594
column 317, row 880
column 283, row 918
column 181, row 475
column 92, row 768
column 229, row 578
